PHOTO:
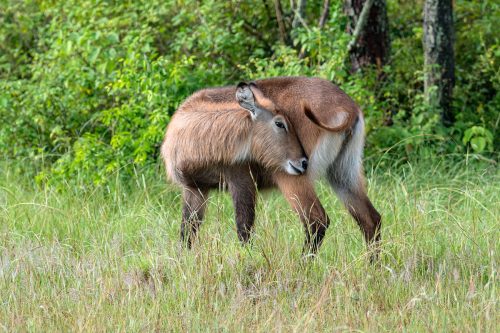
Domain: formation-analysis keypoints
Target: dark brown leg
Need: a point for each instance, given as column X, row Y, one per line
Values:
column 362, row 210
column 354, row 197
column 242, row 189
column 299, row 192
column 192, row 213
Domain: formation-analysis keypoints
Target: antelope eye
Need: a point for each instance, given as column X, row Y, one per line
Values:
column 280, row 124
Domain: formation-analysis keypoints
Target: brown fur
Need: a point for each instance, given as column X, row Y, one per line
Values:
column 326, row 101
column 327, row 121
column 210, row 143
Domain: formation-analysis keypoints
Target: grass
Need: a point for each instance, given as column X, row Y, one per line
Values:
column 110, row 260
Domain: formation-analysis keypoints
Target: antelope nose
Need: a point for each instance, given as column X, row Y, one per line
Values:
column 304, row 163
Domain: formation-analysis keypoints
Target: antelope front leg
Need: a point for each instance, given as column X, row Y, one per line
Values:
column 299, row 192
column 243, row 191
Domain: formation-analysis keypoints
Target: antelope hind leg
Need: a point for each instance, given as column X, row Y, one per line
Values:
column 353, row 195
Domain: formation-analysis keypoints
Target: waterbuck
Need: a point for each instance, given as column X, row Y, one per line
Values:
column 210, row 143
column 330, row 127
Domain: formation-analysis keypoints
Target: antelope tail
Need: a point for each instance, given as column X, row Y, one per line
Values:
column 347, row 123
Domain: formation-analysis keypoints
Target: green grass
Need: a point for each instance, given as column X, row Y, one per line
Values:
column 110, row 260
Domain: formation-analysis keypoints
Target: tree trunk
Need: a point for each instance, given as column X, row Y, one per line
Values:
column 324, row 14
column 439, row 56
column 281, row 22
column 299, row 13
column 371, row 45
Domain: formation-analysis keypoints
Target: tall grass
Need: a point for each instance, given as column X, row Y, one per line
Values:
column 110, row 259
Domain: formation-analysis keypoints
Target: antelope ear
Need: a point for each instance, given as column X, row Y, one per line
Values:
column 246, row 99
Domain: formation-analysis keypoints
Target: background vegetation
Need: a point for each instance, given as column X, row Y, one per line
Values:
column 87, row 87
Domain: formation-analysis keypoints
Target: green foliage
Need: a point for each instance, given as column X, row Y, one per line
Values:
column 476, row 98
column 87, row 87
column 479, row 138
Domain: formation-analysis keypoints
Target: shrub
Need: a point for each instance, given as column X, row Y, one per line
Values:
column 87, row 87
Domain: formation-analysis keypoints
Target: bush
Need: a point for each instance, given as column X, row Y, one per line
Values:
column 87, row 87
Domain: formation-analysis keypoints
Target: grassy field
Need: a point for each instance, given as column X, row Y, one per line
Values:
column 110, row 260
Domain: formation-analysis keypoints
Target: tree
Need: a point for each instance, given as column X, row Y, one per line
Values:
column 299, row 13
column 281, row 23
column 369, row 26
column 439, row 56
